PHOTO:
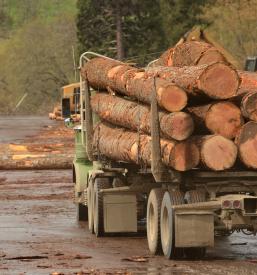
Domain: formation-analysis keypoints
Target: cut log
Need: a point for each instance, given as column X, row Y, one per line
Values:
column 165, row 59
column 217, row 153
column 195, row 53
column 222, row 118
column 247, row 144
column 249, row 106
column 217, row 81
column 134, row 116
column 123, row 145
column 248, row 82
column 113, row 75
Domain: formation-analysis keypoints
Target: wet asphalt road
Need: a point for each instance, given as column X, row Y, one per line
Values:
column 39, row 233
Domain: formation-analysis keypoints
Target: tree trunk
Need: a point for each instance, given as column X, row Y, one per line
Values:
column 217, row 81
column 222, row 118
column 123, row 145
column 249, row 106
column 134, row 116
column 119, row 32
column 217, row 153
column 190, row 54
column 113, row 75
column 246, row 141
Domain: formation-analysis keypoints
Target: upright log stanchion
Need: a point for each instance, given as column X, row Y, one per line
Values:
column 222, row 118
column 124, row 113
column 246, row 142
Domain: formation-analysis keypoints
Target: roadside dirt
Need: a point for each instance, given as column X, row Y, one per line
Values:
column 39, row 233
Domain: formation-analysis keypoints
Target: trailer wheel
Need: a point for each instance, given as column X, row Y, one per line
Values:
column 195, row 196
column 168, row 224
column 90, row 207
column 82, row 212
column 100, row 183
column 153, row 220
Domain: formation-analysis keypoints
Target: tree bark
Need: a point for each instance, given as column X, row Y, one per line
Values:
column 123, row 145
column 119, row 32
column 249, row 106
column 217, row 81
column 113, row 75
column 246, row 142
column 190, row 54
column 134, row 116
column 216, row 152
column 222, row 118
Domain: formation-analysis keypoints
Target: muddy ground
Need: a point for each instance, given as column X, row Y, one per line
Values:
column 39, row 233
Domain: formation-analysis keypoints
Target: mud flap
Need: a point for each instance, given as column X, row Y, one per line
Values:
column 194, row 228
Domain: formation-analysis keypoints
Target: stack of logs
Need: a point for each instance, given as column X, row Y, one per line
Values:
column 207, row 109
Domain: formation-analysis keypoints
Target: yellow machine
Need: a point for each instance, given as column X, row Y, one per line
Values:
column 70, row 99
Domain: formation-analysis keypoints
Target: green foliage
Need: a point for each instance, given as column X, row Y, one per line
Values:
column 233, row 24
column 142, row 31
column 37, row 58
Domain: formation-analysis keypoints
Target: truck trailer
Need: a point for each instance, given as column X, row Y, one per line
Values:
column 182, row 212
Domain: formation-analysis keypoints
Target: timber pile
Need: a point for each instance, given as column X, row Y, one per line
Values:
column 207, row 109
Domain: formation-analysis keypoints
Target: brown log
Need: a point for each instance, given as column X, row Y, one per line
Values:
column 249, row 106
column 123, row 145
column 248, row 82
column 134, row 116
column 217, row 153
column 190, row 54
column 222, row 118
column 217, row 81
column 110, row 74
column 247, row 144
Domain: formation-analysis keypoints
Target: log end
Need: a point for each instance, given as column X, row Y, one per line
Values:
column 247, row 144
column 172, row 98
column 249, row 106
column 177, row 125
column 185, row 156
column 219, row 81
column 225, row 119
column 218, row 153
column 211, row 56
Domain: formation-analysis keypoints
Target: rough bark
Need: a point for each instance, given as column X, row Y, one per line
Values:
column 217, row 81
column 113, row 75
column 130, row 114
column 249, row 106
column 246, row 141
column 123, row 145
column 248, row 82
column 216, row 152
column 222, row 118
column 190, row 54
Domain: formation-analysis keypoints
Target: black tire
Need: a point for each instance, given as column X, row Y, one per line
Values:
column 82, row 212
column 168, row 224
column 100, row 183
column 90, row 206
column 153, row 219
column 195, row 196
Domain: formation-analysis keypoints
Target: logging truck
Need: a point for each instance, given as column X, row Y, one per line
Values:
column 181, row 211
